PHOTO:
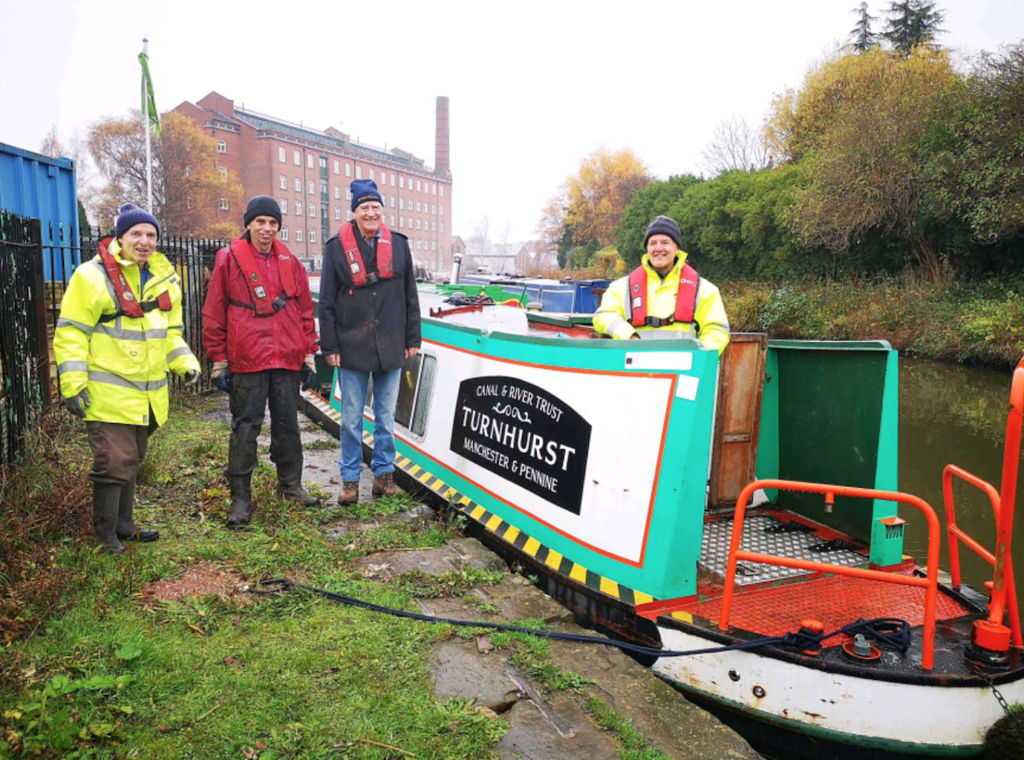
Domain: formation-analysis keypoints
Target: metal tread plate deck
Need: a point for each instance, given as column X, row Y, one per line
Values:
column 714, row 553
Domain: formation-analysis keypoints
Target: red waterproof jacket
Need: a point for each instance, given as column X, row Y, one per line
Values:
column 232, row 329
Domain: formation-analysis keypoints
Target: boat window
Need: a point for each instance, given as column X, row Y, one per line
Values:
column 414, row 392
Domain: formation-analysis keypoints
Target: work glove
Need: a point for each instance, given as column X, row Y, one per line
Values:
column 191, row 376
column 308, row 373
column 78, row 404
column 221, row 376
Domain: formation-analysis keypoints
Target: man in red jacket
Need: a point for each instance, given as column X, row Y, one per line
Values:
column 259, row 333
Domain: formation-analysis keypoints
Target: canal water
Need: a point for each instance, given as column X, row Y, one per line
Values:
column 954, row 415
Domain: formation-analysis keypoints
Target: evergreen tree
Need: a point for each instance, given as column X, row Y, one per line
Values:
column 912, row 23
column 862, row 38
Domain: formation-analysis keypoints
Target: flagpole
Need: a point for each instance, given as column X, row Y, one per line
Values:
column 145, row 128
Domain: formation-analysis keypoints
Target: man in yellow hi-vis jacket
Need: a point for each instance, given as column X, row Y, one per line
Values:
column 664, row 297
column 118, row 335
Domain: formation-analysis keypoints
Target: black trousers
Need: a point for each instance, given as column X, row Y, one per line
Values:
column 252, row 391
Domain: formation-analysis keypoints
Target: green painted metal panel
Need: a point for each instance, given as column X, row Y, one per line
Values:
column 836, row 425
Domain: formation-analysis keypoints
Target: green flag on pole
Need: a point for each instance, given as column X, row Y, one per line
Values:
column 148, row 102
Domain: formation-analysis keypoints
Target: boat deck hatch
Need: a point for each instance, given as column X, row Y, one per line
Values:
column 769, row 535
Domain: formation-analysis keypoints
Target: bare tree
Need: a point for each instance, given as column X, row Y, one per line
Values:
column 735, row 146
column 480, row 240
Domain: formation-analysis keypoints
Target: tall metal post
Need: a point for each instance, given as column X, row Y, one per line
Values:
column 145, row 127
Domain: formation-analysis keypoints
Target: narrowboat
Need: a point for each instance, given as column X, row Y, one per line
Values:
column 747, row 503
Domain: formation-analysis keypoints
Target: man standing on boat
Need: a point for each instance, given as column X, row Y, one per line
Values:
column 664, row 297
column 259, row 333
column 118, row 335
column 369, row 326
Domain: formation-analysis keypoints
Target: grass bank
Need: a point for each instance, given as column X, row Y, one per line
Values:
column 172, row 651
column 980, row 324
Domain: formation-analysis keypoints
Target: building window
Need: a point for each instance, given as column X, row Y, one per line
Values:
column 337, row 166
column 298, row 162
column 284, row 205
column 442, row 193
column 434, row 189
column 401, row 222
column 359, row 172
column 284, row 234
column 392, row 179
column 348, row 193
column 419, row 186
column 418, row 209
column 298, row 234
column 312, row 209
column 348, row 215
column 401, row 203
column 323, row 163
column 392, row 220
column 312, row 234
column 222, row 147
column 433, row 226
column 442, row 210
column 309, row 160
column 371, row 174
column 442, row 226
column 284, row 182
column 401, row 182
column 298, row 208
column 433, row 208
column 282, row 154
column 337, row 213
column 311, row 187
column 419, row 244
column 417, row 224
column 433, row 246
column 223, row 172
column 298, row 184
column 392, row 201
column 348, row 169
column 223, row 204
column 337, row 192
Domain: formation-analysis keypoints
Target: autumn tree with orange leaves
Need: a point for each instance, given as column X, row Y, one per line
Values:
column 189, row 187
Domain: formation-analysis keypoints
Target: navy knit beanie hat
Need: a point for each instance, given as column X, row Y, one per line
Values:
column 363, row 191
column 664, row 225
column 262, row 205
column 129, row 215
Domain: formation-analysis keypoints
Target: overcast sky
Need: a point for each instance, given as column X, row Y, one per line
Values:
column 534, row 86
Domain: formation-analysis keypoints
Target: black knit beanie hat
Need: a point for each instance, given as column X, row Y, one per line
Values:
column 262, row 205
column 664, row 225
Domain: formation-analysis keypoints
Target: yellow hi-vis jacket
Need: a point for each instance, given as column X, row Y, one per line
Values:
column 123, row 362
column 713, row 325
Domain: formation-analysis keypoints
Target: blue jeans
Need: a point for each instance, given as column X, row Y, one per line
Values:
column 353, row 398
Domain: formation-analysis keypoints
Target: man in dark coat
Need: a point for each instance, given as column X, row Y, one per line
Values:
column 369, row 326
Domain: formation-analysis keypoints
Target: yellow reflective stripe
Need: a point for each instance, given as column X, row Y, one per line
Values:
column 138, row 336
column 73, row 367
column 183, row 351
column 65, row 322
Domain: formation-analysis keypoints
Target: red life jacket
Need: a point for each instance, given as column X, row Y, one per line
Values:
column 127, row 303
column 686, row 299
column 354, row 258
column 262, row 303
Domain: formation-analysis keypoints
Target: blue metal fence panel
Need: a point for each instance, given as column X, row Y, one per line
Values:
column 44, row 188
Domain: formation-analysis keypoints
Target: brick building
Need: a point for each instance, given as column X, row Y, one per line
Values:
column 309, row 173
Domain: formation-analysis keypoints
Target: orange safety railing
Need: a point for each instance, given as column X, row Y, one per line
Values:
column 956, row 535
column 930, row 583
column 993, row 633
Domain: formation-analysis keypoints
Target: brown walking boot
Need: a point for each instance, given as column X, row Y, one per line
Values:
column 349, row 493
column 385, row 485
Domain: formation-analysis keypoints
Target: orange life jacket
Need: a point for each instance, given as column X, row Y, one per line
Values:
column 686, row 299
column 354, row 257
column 262, row 303
column 127, row 303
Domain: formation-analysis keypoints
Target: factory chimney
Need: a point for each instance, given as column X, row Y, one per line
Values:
column 442, row 161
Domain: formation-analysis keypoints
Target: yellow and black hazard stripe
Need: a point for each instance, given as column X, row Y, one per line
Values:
column 497, row 526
